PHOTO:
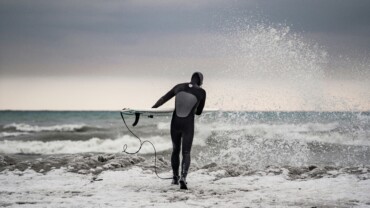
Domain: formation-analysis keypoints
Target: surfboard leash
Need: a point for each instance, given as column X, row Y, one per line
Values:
column 141, row 144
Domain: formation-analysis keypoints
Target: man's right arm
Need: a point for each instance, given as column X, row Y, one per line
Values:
column 165, row 98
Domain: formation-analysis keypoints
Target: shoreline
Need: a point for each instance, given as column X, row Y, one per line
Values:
column 96, row 163
column 135, row 185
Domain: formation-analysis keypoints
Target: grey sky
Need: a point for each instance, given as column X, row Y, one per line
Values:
column 81, row 54
column 41, row 37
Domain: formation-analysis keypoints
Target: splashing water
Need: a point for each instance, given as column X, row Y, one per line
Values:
column 266, row 52
column 268, row 67
column 260, row 139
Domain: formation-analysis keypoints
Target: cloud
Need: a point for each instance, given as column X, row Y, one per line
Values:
column 72, row 36
column 75, row 47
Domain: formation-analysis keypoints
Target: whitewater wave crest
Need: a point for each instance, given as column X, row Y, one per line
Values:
column 34, row 128
column 91, row 145
column 11, row 134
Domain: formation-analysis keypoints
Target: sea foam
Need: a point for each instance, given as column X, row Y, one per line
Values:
column 34, row 128
column 91, row 145
column 11, row 134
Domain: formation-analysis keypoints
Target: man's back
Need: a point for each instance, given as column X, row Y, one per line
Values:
column 188, row 99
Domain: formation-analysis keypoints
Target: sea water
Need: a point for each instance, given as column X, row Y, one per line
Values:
column 256, row 139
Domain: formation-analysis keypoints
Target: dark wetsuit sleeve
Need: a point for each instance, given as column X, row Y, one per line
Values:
column 201, row 105
column 165, row 98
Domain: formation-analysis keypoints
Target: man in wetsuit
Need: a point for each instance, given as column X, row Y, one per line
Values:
column 190, row 100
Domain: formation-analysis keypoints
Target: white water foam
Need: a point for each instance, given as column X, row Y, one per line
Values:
column 264, row 144
column 164, row 125
column 91, row 145
column 12, row 134
column 34, row 128
column 136, row 187
column 305, row 132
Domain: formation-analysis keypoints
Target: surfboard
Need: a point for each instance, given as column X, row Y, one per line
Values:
column 152, row 112
column 147, row 111
column 157, row 111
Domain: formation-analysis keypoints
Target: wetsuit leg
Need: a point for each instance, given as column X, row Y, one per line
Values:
column 187, row 141
column 176, row 144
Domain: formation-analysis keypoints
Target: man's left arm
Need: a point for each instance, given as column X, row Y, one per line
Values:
column 201, row 105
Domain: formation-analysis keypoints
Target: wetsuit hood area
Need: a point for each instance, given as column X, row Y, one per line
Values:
column 197, row 78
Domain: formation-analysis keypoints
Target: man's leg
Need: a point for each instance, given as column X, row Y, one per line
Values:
column 175, row 157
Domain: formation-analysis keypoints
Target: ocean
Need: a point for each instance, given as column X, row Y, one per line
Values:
column 257, row 139
column 247, row 159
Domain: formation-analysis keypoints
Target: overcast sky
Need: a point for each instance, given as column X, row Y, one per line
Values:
column 139, row 39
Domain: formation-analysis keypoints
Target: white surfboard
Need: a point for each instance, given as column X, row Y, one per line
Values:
column 157, row 111
column 151, row 112
column 147, row 111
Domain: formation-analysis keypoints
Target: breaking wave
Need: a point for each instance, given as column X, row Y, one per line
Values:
column 22, row 127
column 72, row 147
column 260, row 145
column 11, row 134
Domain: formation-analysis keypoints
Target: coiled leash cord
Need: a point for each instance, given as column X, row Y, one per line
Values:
column 141, row 145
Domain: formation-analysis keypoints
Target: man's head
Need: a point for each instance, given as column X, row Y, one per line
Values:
column 197, row 78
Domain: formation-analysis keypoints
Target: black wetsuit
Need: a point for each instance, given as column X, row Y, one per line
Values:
column 190, row 100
